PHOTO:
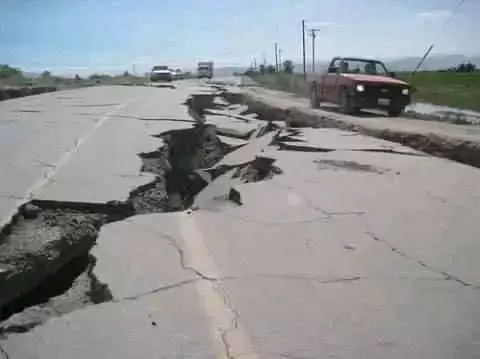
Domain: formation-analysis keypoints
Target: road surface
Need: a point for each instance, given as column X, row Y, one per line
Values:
column 352, row 247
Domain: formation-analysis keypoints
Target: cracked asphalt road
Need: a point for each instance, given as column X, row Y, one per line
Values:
column 362, row 251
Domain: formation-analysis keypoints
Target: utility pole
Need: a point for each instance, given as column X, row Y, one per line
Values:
column 276, row 57
column 304, row 52
column 280, row 60
column 255, row 64
column 313, row 34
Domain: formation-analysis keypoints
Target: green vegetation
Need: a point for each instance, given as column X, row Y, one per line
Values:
column 455, row 89
column 448, row 88
column 282, row 81
column 7, row 71
column 10, row 76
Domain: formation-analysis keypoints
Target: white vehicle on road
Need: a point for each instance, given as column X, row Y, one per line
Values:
column 161, row 73
column 205, row 69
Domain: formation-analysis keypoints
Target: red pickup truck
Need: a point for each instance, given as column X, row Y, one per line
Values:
column 355, row 83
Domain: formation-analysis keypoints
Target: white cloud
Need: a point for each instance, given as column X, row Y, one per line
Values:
column 434, row 14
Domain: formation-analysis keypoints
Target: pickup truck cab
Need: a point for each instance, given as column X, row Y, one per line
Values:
column 355, row 83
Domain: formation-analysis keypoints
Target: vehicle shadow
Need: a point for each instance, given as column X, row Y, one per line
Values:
column 165, row 85
column 363, row 113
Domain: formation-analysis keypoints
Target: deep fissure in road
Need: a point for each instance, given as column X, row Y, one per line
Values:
column 47, row 269
column 47, row 261
column 46, row 250
column 174, row 165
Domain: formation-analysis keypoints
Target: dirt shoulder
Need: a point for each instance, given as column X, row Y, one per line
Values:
column 457, row 142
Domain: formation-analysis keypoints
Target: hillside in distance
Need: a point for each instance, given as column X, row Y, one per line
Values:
column 229, row 70
column 437, row 62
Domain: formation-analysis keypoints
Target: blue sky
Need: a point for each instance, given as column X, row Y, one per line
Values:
column 70, row 36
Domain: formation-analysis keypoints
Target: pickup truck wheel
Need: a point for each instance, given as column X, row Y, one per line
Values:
column 314, row 100
column 346, row 103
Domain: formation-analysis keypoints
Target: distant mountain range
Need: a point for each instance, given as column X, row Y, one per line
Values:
column 437, row 62
column 229, row 70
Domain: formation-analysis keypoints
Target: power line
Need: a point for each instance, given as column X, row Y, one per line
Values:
column 441, row 32
column 449, row 19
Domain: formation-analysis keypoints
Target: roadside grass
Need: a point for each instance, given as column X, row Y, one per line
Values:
column 292, row 83
column 458, row 90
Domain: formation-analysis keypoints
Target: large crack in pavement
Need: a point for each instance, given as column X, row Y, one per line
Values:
column 46, row 268
column 174, row 166
column 187, row 164
column 76, row 287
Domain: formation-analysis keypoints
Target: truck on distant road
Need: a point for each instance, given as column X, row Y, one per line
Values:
column 356, row 83
column 161, row 73
column 205, row 69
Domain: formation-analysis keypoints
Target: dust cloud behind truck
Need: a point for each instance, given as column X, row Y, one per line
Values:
column 205, row 69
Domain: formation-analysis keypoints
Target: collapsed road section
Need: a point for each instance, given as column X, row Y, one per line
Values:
column 235, row 241
column 44, row 251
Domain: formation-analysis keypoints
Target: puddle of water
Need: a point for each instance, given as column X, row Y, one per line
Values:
column 445, row 112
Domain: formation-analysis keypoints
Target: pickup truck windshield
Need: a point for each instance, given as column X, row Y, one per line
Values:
column 369, row 67
column 155, row 68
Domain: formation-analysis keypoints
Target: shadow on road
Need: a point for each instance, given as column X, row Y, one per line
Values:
column 363, row 113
